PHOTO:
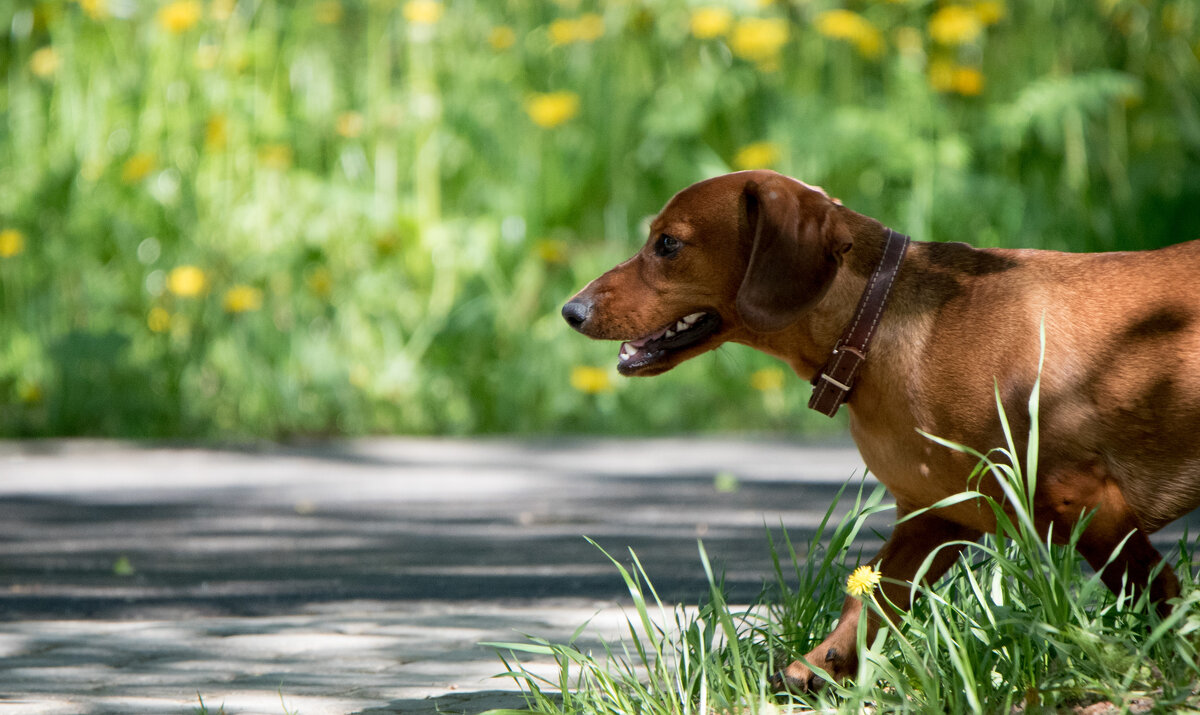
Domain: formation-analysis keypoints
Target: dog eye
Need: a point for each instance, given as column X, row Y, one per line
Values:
column 667, row 246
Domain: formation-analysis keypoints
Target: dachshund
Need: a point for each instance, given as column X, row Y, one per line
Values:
column 761, row 259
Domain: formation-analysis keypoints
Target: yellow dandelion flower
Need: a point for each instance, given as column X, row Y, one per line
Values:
column 502, row 37
column 768, row 379
column 955, row 25
column 759, row 39
column 44, row 62
column 968, row 81
column 275, row 156
column 187, row 281
column 29, row 393
column 941, row 75
column 350, row 124
column 852, row 27
column 552, row 251
column 158, row 320
column 137, row 167
column 759, row 155
column 242, row 299
column 12, row 243
column 216, row 132
column 329, row 12
column 562, row 31
column 990, row 12
column 709, row 22
column 552, row 109
column 589, row 27
column 423, row 12
column 320, row 281
column 590, row 380
column 863, row 581
column 95, row 9
column 180, row 16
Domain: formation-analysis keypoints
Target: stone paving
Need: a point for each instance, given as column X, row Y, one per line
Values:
column 359, row 577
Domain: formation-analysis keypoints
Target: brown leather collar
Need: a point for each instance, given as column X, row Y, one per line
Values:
column 835, row 380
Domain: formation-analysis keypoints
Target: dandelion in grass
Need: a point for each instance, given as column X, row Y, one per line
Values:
column 137, row 167
column 502, row 37
column 44, row 62
column 768, row 379
column 158, row 320
column 179, row 17
column 709, row 22
column 759, row 155
column 552, row 109
column 863, row 581
column 589, row 27
column 12, row 243
column 941, row 75
column 187, row 281
column 990, row 12
column 590, row 380
column 552, row 251
column 242, row 299
column 566, row 31
column 760, row 40
column 216, row 132
column 95, row 9
column 29, row 393
column 955, row 25
column 423, row 12
column 853, row 28
column 968, row 81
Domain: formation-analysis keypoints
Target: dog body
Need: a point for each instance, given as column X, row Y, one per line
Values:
column 770, row 262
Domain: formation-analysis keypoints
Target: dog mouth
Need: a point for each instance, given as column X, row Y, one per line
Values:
column 637, row 355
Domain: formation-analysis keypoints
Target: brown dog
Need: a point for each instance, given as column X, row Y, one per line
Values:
column 767, row 261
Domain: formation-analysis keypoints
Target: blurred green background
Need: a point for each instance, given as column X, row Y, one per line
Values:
column 238, row 219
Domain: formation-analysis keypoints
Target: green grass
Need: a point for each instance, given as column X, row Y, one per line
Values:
column 406, row 230
column 1016, row 625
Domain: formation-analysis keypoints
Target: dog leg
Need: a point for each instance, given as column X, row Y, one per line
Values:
column 1071, row 494
column 910, row 543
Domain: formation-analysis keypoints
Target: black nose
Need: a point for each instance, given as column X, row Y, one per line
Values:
column 576, row 313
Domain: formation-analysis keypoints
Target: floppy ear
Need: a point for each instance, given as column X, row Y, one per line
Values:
column 794, row 256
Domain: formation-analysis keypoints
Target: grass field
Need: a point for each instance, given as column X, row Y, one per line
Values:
column 239, row 218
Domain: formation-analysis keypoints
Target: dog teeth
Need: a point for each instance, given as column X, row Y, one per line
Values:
column 670, row 333
column 681, row 326
column 693, row 318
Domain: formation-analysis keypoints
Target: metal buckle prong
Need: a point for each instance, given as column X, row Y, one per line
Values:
column 840, row 385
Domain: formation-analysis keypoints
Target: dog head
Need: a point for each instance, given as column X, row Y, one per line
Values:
column 737, row 255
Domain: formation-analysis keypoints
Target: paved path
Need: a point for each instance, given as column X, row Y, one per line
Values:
column 358, row 576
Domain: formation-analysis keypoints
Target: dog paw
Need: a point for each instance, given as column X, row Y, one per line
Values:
column 796, row 678
column 800, row 678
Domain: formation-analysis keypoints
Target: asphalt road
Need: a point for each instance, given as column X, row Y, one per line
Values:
column 359, row 576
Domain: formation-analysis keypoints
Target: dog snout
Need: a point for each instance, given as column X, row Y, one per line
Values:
column 576, row 312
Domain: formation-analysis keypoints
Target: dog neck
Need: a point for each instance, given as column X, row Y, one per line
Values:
column 807, row 344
